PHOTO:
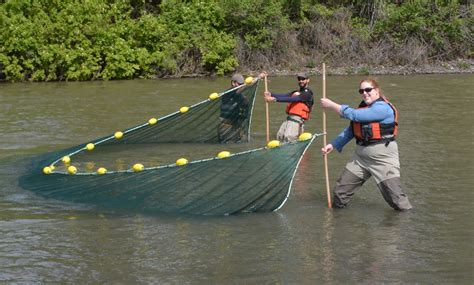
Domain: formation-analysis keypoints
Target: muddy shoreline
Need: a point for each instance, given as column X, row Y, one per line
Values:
column 451, row 67
column 444, row 68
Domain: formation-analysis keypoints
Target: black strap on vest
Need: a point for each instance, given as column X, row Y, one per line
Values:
column 367, row 143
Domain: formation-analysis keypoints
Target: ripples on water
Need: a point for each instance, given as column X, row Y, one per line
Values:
column 45, row 241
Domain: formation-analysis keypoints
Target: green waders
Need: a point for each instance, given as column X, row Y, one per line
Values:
column 381, row 162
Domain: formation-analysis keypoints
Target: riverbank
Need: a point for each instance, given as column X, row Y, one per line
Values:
column 450, row 67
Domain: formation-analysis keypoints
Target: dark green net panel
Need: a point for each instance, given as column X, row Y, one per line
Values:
column 257, row 180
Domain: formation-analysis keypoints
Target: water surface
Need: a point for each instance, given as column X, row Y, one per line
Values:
column 305, row 242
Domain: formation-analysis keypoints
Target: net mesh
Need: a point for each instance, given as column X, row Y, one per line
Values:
column 224, row 119
column 256, row 180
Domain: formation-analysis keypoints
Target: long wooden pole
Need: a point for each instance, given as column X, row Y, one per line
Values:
column 326, row 170
column 267, row 116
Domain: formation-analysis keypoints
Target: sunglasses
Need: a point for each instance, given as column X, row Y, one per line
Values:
column 368, row 89
column 301, row 78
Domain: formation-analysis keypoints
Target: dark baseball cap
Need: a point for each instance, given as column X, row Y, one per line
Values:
column 238, row 78
column 303, row 75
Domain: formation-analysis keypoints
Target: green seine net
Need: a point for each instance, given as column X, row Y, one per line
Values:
column 257, row 180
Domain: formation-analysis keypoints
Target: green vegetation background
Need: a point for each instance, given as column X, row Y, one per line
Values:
column 44, row 40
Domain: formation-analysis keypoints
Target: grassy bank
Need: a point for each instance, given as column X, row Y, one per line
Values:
column 48, row 40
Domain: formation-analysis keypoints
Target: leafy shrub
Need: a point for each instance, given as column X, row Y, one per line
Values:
column 195, row 29
column 257, row 22
column 68, row 40
column 43, row 40
column 436, row 23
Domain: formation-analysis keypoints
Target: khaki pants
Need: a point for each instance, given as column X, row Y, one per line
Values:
column 289, row 131
column 379, row 161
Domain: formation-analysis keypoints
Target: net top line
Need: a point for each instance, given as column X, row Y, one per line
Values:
column 189, row 163
column 83, row 147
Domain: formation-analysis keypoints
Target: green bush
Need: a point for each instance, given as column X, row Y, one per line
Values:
column 68, row 40
column 437, row 23
column 257, row 22
column 195, row 29
column 44, row 40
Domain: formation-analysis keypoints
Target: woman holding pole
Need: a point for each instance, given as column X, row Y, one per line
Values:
column 374, row 125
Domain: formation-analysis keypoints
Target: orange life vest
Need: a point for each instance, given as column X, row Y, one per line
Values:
column 374, row 132
column 299, row 109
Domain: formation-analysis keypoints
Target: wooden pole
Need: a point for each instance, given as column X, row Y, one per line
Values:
column 326, row 171
column 267, row 116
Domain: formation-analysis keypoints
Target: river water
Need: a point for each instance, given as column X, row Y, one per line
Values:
column 47, row 241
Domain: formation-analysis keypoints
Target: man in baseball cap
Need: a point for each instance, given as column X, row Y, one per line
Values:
column 234, row 109
column 299, row 105
column 237, row 78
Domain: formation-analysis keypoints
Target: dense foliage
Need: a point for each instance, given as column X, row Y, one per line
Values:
column 43, row 40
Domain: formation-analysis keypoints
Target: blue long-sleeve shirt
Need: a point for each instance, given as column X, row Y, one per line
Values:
column 305, row 96
column 379, row 111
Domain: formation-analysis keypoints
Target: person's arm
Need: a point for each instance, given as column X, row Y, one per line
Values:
column 285, row 97
column 329, row 104
column 295, row 96
column 273, row 97
column 343, row 138
column 377, row 112
column 339, row 142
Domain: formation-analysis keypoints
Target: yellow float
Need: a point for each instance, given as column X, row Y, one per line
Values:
column 138, row 167
column 273, row 144
column 101, row 170
column 181, row 161
column 214, row 96
column 223, row 154
column 118, row 135
column 72, row 170
column 305, row 136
